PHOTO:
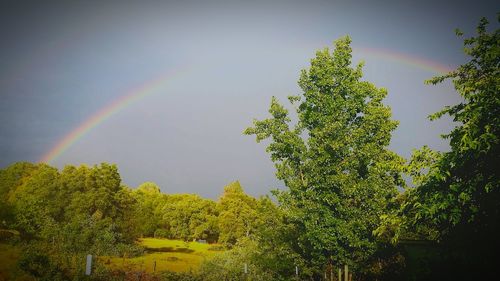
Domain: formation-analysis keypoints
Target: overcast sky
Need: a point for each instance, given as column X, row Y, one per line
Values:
column 61, row 62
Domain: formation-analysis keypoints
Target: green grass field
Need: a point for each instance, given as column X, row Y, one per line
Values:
column 171, row 255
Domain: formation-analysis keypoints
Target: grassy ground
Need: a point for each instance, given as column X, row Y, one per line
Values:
column 171, row 255
column 8, row 259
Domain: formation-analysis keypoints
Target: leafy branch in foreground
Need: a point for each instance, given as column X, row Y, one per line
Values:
column 457, row 199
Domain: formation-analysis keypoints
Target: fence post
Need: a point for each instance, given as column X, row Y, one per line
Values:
column 245, row 270
column 340, row 274
column 88, row 266
column 346, row 272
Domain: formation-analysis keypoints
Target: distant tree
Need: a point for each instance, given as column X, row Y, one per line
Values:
column 149, row 188
column 237, row 213
column 94, row 205
column 334, row 161
column 204, row 223
column 13, row 176
column 10, row 178
column 147, row 209
column 32, row 200
column 188, row 216
column 92, row 190
column 128, row 224
column 69, row 211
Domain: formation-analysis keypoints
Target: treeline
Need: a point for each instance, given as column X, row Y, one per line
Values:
column 79, row 209
column 190, row 217
column 89, row 208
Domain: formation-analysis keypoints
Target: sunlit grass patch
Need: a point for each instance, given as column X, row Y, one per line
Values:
column 163, row 255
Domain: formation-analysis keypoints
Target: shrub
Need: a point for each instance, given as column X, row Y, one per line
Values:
column 161, row 233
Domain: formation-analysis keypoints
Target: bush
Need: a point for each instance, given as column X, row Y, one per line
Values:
column 129, row 250
column 39, row 266
column 161, row 233
column 216, row 248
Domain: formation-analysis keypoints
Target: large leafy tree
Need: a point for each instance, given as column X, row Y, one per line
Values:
column 459, row 196
column 334, row 160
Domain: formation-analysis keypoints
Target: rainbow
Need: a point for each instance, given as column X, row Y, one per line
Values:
column 134, row 95
column 157, row 84
column 402, row 58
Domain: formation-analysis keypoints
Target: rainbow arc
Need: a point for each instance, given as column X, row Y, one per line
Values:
column 156, row 85
column 133, row 96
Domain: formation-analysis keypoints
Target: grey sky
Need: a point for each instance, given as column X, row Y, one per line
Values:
column 61, row 62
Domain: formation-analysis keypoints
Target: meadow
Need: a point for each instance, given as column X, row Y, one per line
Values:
column 160, row 255
column 164, row 255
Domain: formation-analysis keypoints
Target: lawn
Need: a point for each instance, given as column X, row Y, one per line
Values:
column 163, row 255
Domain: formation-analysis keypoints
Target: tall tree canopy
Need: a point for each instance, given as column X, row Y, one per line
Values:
column 334, row 160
